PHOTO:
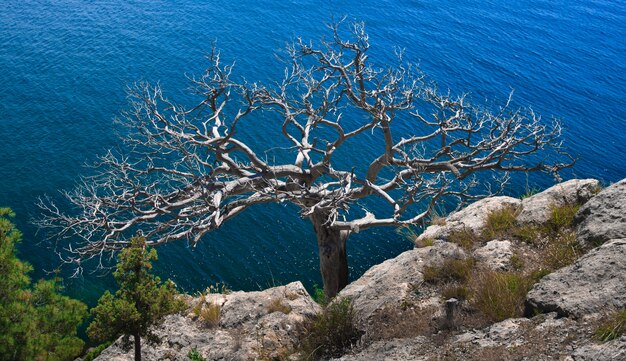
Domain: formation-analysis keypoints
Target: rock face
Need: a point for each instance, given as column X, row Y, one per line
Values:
column 593, row 284
column 536, row 209
column 248, row 329
column 495, row 255
column 472, row 217
column 604, row 216
column 391, row 282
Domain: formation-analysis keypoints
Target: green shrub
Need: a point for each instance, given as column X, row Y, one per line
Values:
column 528, row 233
column 91, row 355
column 499, row 223
column 319, row 296
column 332, row 332
column 612, row 327
column 499, row 295
column 194, row 355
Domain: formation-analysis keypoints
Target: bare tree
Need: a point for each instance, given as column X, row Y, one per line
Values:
column 187, row 170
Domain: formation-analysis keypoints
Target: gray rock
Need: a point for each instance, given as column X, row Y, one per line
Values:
column 609, row 351
column 536, row 209
column 595, row 283
column 472, row 217
column 495, row 255
column 604, row 216
column 247, row 329
column 392, row 281
column 392, row 350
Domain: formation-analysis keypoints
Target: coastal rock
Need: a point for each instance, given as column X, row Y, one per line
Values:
column 536, row 209
column 604, row 216
column 495, row 255
column 609, row 351
column 249, row 328
column 471, row 218
column 594, row 283
column 391, row 282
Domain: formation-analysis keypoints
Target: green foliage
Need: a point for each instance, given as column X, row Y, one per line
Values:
column 499, row 223
column 36, row 322
column 561, row 217
column 319, row 296
column 194, row 355
column 499, row 295
column 612, row 327
column 141, row 301
column 91, row 355
column 332, row 332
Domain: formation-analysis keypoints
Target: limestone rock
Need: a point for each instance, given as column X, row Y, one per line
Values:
column 472, row 217
column 536, row 209
column 604, row 216
column 495, row 255
column 247, row 329
column 609, row 351
column 594, row 283
column 391, row 282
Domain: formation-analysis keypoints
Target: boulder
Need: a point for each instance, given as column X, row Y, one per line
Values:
column 391, row 282
column 604, row 216
column 472, row 217
column 595, row 283
column 249, row 328
column 495, row 255
column 536, row 209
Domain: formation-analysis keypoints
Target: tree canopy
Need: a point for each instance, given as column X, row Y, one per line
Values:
column 188, row 169
column 141, row 301
column 36, row 322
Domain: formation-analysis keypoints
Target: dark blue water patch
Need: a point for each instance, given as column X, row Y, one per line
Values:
column 65, row 65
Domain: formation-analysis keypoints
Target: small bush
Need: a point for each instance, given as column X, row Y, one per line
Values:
column 536, row 275
column 465, row 238
column 499, row 295
column 612, row 327
column 332, row 332
column 91, row 355
column 218, row 288
column 276, row 305
column 319, row 296
column 451, row 270
column 517, row 262
column 194, row 355
column 499, row 223
column 210, row 315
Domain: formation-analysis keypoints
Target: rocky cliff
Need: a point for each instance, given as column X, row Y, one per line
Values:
column 502, row 279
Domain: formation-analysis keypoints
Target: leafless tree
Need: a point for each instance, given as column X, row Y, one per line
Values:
column 187, row 170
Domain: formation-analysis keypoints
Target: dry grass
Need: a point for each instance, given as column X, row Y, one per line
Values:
column 499, row 295
column 451, row 270
column 210, row 315
column 276, row 305
column 499, row 223
column 464, row 238
column 612, row 326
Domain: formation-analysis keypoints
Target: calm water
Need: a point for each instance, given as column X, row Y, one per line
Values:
column 64, row 65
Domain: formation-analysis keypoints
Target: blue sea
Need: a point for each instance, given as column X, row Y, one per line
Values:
column 65, row 66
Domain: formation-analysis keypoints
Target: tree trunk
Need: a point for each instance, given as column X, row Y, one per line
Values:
column 137, row 347
column 331, row 245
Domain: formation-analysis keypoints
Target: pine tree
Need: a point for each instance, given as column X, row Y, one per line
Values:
column 36, row 323
column 141, row 301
